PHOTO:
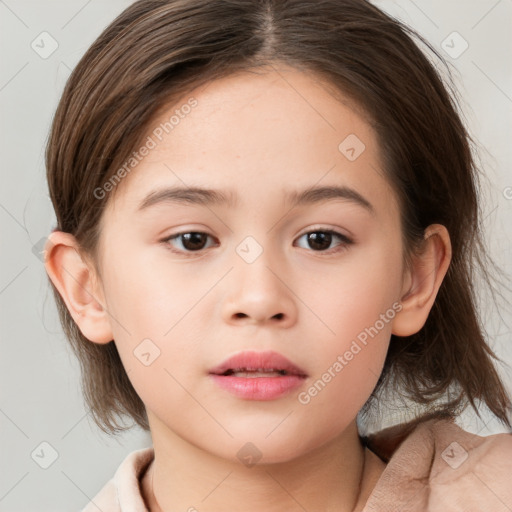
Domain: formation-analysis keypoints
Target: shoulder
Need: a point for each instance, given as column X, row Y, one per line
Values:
column 457, row 448
column 477, row 470
column 439, row 466
column 122, row 493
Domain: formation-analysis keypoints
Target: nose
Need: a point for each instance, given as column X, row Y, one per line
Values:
column 259, row 293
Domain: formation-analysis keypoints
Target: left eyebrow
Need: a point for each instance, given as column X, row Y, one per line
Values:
column 207, row 196
column 320, row 194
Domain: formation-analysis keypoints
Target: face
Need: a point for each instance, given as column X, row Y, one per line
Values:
column 190, row 280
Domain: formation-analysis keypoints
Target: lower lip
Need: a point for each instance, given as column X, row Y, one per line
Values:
column 259, row 388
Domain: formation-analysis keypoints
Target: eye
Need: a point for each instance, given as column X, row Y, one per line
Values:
column 191, row 241
column 322, row 240
column 318, row 240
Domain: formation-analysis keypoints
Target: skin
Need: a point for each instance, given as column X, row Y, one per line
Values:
column 260, row 135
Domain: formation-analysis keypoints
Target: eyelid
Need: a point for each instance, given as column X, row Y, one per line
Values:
column 328, row 229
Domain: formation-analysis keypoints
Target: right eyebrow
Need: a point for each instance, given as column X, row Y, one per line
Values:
column 191, row 195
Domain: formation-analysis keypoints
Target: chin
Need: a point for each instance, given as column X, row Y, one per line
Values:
column 251, row 446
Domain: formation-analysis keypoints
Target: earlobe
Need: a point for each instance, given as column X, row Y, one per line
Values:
column 423, row 281
column 78, row 285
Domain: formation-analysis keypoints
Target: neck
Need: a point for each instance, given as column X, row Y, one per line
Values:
column 338, row 476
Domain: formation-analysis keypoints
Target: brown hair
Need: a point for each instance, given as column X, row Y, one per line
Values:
column 157, row 50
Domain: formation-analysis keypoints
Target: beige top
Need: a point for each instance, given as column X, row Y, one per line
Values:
column 434, row 466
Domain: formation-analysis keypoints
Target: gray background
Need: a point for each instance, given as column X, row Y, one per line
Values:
column 40, row 399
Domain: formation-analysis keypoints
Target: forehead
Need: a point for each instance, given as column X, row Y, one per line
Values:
column 268, row 111
column 259, row 132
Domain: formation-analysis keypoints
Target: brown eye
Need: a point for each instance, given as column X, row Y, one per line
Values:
column 188, row 242
column 193, row 241
column 322, row 240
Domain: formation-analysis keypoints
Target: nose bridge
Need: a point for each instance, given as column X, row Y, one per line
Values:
column 257, row 290
column 254, row 263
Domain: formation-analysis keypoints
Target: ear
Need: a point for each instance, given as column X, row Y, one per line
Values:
column 78, row 285
column 423, row 280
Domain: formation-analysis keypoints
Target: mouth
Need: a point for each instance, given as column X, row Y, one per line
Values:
column 251, row 374
column 258, row 375
column 250, row 364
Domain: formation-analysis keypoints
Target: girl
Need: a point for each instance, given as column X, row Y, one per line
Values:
column 267, row 218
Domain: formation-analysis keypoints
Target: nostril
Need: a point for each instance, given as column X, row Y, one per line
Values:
column 277, row 316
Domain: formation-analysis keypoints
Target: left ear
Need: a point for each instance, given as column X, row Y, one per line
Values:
column 423, row 280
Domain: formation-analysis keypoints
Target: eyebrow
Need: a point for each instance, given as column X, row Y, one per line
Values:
column 207, row 196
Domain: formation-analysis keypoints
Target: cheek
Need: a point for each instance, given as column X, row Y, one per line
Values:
column 352, row 296
column 336, row 395
column 347, row 365
column 150, row 307
column 348, row 360
column 147, row 295
column 356, row 304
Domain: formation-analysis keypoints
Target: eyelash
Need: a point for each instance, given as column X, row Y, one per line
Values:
column 345, row 241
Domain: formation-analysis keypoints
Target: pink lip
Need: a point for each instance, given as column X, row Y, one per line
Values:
column 258, row 388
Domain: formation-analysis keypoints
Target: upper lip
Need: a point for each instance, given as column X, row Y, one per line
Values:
column 254, row 361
